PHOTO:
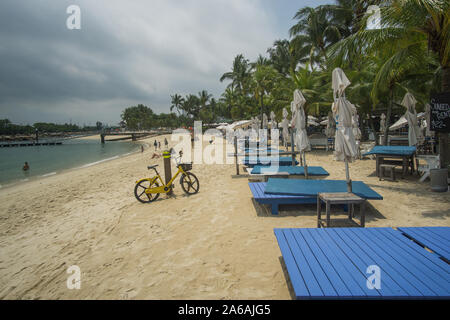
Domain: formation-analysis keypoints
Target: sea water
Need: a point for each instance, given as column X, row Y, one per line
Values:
column 50, row 160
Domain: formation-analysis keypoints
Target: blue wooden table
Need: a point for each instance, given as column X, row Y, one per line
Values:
column 339, row 263
column 402, row 155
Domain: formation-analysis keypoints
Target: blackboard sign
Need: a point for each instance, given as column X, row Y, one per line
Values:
column 440, row 112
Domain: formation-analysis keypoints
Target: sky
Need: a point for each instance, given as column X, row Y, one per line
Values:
column 126, row 53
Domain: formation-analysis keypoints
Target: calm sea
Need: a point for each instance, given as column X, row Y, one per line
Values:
column 50, row 160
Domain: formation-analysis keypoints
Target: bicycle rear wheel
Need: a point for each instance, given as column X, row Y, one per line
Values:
column 189, row 183
column 139, row 191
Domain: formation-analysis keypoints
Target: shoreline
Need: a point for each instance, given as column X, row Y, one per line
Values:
column 17, row 183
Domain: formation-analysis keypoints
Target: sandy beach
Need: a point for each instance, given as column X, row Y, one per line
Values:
column 216, row 244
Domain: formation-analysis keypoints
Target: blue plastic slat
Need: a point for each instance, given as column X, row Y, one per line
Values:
column 414, row 263
column 408, row 271
column 295, row 276
column 319, row 273
column 430, row 240
column 397, row 282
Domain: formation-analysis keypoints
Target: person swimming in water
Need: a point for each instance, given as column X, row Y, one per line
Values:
column 26, row 167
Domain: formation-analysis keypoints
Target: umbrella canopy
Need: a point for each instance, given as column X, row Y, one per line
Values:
column 414, row 134
column 343, row 111
column 402, row 122
column 240, row 124
column 299, row 121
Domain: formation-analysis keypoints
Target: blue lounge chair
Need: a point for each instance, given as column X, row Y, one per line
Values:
column 295, row 172
column 436, row 239
column 259, row 191
column 338, row 264
column 254, row 161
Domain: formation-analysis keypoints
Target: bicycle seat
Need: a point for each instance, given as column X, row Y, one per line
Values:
column 152, row 167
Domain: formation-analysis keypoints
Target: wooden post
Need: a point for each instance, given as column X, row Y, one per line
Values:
column 235, row 155
column 292, row 147
column 167, row 169
column 305, row 165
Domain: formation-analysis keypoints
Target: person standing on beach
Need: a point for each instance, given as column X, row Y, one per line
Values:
column 156, row 145
column 166, row 143
column 142, row 148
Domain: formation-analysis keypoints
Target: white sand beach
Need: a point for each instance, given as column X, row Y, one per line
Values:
column 213, row 245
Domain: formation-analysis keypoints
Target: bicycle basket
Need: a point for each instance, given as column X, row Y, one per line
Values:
column 186, row 166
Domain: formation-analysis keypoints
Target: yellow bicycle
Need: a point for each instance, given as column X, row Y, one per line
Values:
column 147, row 190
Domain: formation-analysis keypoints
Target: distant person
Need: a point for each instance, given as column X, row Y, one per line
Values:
column 155, row 144
column 159, row 145
column 142, row 148
column 26, row 167
column 166, row 143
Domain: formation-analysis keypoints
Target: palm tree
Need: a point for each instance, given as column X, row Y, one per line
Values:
column 314, row 32
column 239, row 74
column 264, row 78
column 203, row 98
column 177, row 102
column 407, row 27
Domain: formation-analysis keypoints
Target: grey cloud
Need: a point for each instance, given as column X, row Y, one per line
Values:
column 127, row 52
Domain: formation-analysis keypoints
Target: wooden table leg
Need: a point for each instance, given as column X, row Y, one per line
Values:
column 319, row 212
column 377, row 165
column 363, row 214
column 328, row 213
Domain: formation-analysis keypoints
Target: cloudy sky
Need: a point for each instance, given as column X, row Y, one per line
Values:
column 126, row 52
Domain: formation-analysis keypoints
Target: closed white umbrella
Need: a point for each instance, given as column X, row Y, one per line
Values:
column 414, row 134
column 285, row 126
column 343, row 110
column 265, row 121
column 331, row 125
column 383, row 123
column 299, row 121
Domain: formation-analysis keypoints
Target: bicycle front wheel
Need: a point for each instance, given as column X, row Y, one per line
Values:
column 139, row 191
column 189, row 183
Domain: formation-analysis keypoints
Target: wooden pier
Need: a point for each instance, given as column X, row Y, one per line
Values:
column 129, row 135
column 28, row 144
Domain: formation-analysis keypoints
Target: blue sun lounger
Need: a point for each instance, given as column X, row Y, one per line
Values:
column 437, row 239
column 254, row 161
column 259, row 191
column 339, row 263
column 286, row 172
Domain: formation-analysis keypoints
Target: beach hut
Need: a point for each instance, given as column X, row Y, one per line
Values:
column 343, row 111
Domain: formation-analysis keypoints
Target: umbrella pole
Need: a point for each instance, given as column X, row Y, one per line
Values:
column 305, row 165
column 347, row 174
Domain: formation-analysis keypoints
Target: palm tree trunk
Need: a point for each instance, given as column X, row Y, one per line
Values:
column 444, row 140
column 388, row 116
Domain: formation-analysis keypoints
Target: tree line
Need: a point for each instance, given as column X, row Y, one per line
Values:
column 9, row 128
